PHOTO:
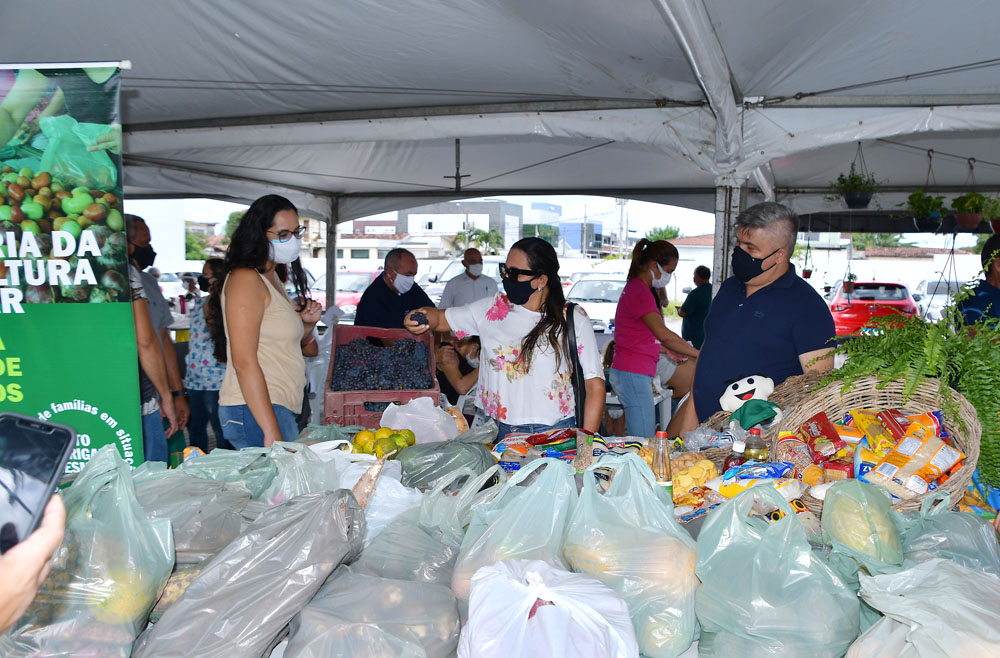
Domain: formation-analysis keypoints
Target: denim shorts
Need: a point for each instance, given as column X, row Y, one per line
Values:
column 635, row 392
column 503, row 429
column 240, row 428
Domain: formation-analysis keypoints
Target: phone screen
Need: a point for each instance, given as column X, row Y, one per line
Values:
column 33, row 455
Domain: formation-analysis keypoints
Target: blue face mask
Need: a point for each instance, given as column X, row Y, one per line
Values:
column 746, row 267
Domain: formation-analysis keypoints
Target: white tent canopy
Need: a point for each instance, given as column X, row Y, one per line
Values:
column 353, row 108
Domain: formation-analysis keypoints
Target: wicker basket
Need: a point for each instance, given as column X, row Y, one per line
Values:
column 787, row 395
column 864, row 394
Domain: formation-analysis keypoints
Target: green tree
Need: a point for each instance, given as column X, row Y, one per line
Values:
column 195, row 245
column 981, row 241
column 544, row 231
column 231, row 224
column 663, row 233
column 489, row 241
column 864, row 240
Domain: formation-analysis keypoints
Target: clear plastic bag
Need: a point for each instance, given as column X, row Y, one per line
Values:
column 520, row 523
column 250, row 468
column 67, row 156
column 628, row 539
column 445, row 516
column 300, row 471
column 938, row 532
column 405, row 551
column 425, row 465
column 359, row 615
column 858, row 522
column 527, row 608
column 245, row 596
column 106, row 575
column 764, row 592
column 429, row 422
column 936, row 609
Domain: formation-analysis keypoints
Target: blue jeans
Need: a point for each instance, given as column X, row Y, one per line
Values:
column 240, row 428
column 635, row 392
column 503, row 429
column 204, row 410
column 154, row 439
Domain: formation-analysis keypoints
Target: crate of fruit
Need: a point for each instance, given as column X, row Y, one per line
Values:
column 365, row 377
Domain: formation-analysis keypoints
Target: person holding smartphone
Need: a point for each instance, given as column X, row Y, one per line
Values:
column 25, row 566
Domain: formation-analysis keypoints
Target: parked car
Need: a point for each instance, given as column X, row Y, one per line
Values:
column 350, row 287
column 870, row 299
column 598, row 294
column 171, row 285
column 933, row 296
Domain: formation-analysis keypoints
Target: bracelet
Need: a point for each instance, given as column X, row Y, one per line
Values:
column 180, row 393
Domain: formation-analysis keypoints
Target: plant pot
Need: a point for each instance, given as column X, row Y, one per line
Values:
column 968, row 219
column 927, row 224
column 995, row 225
column 806, row 274
column 848, row 287
column 857, row 200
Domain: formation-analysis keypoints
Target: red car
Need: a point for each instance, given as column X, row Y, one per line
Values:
column 852, row 311
column 350, row 287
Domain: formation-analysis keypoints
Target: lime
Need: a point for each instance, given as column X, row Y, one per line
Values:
column 399, row 440
column 385, row 447
column 411, row 438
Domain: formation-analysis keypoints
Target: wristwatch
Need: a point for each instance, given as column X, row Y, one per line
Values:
column 181, row 393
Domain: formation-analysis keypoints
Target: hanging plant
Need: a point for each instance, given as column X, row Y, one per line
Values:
column 991, row 212
column 968, row 209
column 849, row 280
column 925, row 206
column 856, row 187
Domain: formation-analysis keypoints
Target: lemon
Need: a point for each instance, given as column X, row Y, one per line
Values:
column 399, row 440
column 384, row 433
column 411, row 438
column 385, row 446
column 364, row 436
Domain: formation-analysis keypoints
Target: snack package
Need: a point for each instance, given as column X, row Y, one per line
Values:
column 877, row 437
column 864, row 461
column 932, row 420
column 895, row 421
column 789, row 488
column 792, row 449
column 753, row 470
column 918, row 460
column 850, row 434
column 822, row 437
column 835, row 470
column 693, row 477
column 804, row 514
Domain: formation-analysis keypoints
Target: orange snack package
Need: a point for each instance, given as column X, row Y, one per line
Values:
column 879, row 439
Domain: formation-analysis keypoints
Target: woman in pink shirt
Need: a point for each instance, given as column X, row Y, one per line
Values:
column 639, row 335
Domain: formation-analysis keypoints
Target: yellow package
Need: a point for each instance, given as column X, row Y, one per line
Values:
column 879, row 439
column 920, row 458
column 852, row 435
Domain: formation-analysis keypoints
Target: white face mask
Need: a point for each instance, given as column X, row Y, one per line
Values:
column 283, row 253
column 662, row 280
column 476, row 269
column 473, row 361
column 402, row 283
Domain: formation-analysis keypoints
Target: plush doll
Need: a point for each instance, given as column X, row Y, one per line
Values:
column 746, row 400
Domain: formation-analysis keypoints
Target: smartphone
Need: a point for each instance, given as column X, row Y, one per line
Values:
column 33, row 456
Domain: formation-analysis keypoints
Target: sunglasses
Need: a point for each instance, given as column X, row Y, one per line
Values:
column 285, row 236
column 514, row 273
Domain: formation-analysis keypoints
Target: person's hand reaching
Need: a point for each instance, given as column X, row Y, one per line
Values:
column 24, row 567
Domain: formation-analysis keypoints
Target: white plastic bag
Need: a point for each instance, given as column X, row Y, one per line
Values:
column 300, row 471
column 936, row 609
column 527, row 608
column 429, row 423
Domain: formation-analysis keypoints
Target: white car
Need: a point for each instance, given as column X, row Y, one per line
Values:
column 598, row 294
column 933, row 296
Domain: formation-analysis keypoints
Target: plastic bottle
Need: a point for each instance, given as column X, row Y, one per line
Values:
column 736, row 457
column 756, row 449
column 661, row 462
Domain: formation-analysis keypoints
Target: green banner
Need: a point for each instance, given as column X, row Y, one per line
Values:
column 67, row 339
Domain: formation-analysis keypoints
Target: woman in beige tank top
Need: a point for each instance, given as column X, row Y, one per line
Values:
column 259, row 330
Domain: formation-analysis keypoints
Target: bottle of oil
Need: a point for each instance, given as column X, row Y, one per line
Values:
column 661, row 462
column 736, row 457
column 756, row 448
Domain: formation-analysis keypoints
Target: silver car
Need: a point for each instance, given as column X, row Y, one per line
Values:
column 933, row 296
column 598, row 294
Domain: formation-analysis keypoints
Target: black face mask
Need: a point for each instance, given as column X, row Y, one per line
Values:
column 745, row 266
column 204, row 284
column 143, row 256
column 518, row 292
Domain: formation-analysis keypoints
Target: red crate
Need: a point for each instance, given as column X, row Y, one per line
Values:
column 348, row 407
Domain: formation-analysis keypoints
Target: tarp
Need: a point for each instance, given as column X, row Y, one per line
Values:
column 357, row 105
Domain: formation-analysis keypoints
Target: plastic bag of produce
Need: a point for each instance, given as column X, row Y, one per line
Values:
column 105, row 577
column 857, row 522
column 523, row 522
column 527, row 608
column 424, row 465
column 445, row 516
column 764, row 592
column 250, row 467
column 206, row 515
column 628, row 539
column 300, row 471
column 67, row 156
column 429, row 422
column 405, row 551
column 245, row 596
column 936, row 609
column 359, row 615
column 958, row 536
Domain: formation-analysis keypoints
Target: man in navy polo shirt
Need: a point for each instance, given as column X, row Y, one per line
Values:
column 985, row 299
column 389, row 297
column 765, row 320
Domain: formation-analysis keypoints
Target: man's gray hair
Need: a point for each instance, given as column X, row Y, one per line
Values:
column 395, row 255
column 778, row 220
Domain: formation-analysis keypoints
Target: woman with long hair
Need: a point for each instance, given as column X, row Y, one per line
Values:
column 258, row 330
column 525, row 373
column 641, row 335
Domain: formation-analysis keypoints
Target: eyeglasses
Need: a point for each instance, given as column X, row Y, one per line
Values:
column 514, row 273
column 285, row 236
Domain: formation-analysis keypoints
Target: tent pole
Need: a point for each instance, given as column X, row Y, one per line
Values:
column 331, row 252
column 729, row 202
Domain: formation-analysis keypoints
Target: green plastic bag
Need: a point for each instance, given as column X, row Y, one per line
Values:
column 764, row 592
column 858, row 522
column 300, row 471
column 106, row 575
column 68, row 159
column 426, row 464
column 628, row 539
column 250, row 467
column 937, row 532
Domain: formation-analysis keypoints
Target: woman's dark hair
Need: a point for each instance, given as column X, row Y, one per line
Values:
column 542, row 258
column 217, row 266
column 660, row 252
column 251, row 248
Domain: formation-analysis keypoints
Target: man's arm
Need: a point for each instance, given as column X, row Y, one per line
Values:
column 151, row 360
column 174, row 379
column 820, row 360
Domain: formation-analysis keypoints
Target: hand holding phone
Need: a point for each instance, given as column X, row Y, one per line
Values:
column 25, row 567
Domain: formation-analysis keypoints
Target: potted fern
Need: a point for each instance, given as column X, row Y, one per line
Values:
column 856, row 188
column 968, row 209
